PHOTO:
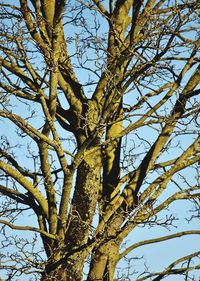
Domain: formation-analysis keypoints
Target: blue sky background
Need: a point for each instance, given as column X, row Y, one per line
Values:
column 156, row 256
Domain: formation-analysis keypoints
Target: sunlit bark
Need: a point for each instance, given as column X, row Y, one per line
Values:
column 97, row 104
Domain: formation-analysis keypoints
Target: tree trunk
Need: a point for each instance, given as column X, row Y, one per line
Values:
column 103, row 263
column 68, row 264
column 84, row 201
column 57, row 274
column 69, row 269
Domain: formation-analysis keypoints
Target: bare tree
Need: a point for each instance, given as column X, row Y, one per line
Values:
column 99, row 117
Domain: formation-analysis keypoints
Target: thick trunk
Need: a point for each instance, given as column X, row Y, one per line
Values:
column 84, row 201
column 58, row 274
column 106, row 255
column 70, row 269
column 68, row 264
column 103, row 263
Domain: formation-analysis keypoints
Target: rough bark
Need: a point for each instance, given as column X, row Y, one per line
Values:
column 65, row 269
column 92, row 184
column 103, row 263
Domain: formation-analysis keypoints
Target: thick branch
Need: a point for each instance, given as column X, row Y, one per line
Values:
column 27, row 185
column 156, row 240
column 170, row 270
column 30, row 228
column 27, row 128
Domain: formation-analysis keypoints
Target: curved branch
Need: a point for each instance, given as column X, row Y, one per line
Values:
column 15, row 164
column 13, row 68
column 101, row 8
column 14, row 194
column 26, row 184
column 30, row 228
column 61, row 115
column 27, row 128
column 170, row 271
column 156, row 240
